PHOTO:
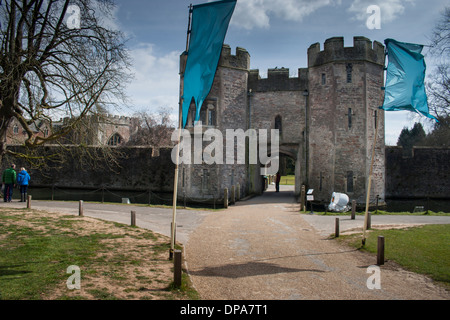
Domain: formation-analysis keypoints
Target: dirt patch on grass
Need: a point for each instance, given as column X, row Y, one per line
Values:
column 129, row 263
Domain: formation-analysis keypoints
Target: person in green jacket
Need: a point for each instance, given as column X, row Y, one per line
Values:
column 9, row 181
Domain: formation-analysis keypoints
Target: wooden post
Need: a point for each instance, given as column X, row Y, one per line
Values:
column 302, row 199
column 225, row 198
column 177, row 268
column 80, row 209
column 29, row 202
column 336, row 228
column 233, row 195
column 353, row 209
column 133, row 218
column 238, row 192
column 380, row 254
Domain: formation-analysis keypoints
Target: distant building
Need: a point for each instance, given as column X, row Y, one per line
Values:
column 92, row 130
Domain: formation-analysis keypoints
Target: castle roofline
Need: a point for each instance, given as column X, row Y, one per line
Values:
column 363, row 50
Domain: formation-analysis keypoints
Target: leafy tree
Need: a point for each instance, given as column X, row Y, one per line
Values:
column 409, row 138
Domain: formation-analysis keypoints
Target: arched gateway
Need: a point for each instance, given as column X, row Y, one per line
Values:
column 325, row 115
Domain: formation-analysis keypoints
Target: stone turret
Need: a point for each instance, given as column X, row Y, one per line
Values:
column 363, row 50
column 344, row 96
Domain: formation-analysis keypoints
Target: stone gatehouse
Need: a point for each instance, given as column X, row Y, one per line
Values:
column 326, row 116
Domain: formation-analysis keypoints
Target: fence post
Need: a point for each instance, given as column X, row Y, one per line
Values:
column 336, row 228
column 29, row 202
column 302, row 199
column 353, row 209
column 233, row 195
column 177, row 268
column 80, row 209
column 225, row 198
column 380, row 254
column 133, row 218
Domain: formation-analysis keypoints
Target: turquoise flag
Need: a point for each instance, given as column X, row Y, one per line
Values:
column 405, row 87
column 209, row 26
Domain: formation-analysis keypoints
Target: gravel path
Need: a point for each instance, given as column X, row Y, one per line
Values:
column 263, row 249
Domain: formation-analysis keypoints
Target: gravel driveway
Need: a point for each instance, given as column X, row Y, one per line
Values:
column 263, row 249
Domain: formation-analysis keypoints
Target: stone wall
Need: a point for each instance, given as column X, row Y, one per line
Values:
column 422, row 173
column 136, row 169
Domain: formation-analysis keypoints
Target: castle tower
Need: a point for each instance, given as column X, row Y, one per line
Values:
column 344, row 96
column 326, row 116
column 224, row 108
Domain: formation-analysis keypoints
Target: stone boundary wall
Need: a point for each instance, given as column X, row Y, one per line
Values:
column 422, row 173
column 138, row 168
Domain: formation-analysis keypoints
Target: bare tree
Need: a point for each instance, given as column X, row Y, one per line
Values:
column 154, row 130
column 57, row 57
column 439, row 84
column 440, row 40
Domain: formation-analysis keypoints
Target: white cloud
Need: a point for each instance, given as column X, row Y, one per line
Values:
column 390, row 9
column 156, row 82
column 251, row 14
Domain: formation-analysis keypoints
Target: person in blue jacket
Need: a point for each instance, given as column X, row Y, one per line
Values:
column 23, row 179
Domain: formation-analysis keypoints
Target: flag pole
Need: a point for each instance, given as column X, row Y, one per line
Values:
column 369, row 184
column 175, row 183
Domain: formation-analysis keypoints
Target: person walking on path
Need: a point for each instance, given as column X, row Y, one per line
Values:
column 277, row 182
column 9, row 181
column 23, row 179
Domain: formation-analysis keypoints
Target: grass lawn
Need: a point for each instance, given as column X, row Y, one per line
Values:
column 116, row 261
column 423, row 249
column 287, row 180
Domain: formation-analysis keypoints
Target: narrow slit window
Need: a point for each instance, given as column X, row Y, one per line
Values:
column 324, row 79
column 349, row 72
column 320, row 181
column 349, row 181
column 278, row 124
column 350, row 120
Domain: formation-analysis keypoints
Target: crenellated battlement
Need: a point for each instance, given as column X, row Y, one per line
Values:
column 363, row 50
column 241, row 60
column 278, row 79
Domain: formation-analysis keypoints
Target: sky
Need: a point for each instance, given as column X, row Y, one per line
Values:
column 276, row 33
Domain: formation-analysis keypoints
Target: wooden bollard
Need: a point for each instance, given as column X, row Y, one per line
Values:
column 336, row 228
column 177, row 268
column 225, row 198
column 29, row 202
column 380, row 254
column 302, row 199
column 133, row 218
column 233, row 195
column 353, row 209
column 80, row 209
